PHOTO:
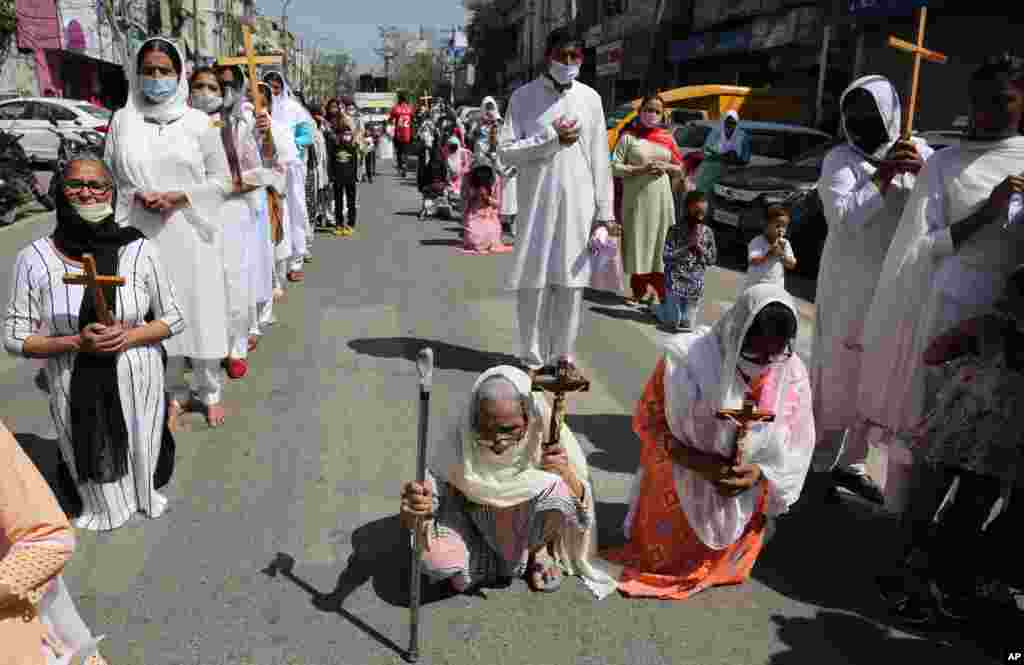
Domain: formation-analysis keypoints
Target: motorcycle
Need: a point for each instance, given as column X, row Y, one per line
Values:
column 18, row 184
column 72, row 141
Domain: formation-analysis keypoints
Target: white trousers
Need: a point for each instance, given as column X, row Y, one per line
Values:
column 549, row 323
column 206, row 380
column 298, row 216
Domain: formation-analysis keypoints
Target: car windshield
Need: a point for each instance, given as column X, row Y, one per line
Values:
column 95, row 111
column 815, row 156
column 692, row 136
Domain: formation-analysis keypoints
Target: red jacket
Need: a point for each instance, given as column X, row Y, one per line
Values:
column 401, row 116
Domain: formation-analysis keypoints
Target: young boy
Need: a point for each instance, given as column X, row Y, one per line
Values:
column 689, row 250
column 770, row 254
column 345, row 153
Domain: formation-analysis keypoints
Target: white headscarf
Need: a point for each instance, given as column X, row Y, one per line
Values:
column 701, row 367
column 458, row 462
column 727, row 143
column 888, row 102
column 285, row 108
column 483, row 105
column 166, row 111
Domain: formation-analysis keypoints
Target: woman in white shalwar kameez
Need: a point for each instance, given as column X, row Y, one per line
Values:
column 861, row 223
column 291, row 113
column 167, row 189
column 950, row 256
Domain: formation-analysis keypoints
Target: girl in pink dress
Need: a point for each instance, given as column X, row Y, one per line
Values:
column 482, row 233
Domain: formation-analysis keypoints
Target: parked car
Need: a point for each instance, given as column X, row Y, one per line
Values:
column 742, row 196
column 942, row 138
column 31, row 116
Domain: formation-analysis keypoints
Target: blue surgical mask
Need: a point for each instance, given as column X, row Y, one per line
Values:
column 564, row 74
column 159, row 90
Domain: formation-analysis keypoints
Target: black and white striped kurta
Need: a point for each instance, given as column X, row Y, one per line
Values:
column 42, row 304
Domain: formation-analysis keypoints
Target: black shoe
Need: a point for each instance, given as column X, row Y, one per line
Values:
column 860, row 484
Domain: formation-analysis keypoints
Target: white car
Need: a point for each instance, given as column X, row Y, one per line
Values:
column 30, row 116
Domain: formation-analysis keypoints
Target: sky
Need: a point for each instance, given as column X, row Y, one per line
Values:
column 352, row 24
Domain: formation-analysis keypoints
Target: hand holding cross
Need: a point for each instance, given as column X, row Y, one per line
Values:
column 97, row 282
column 743, row 419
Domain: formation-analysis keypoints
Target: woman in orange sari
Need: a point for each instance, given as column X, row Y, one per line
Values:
column 696, row 517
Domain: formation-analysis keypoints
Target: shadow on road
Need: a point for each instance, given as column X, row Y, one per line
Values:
column 407, row 213
column 446, row 356
column 610, row 517
column 441, row 242
column 639, row 316
column 45, row 454
column 616, row 447
column 606, row 298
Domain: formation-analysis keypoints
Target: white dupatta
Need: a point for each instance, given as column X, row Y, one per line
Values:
column 458, row 462
column 953, row 185
column 701, row 368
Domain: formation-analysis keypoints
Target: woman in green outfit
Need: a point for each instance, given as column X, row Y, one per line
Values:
column 727, row 145
column 650, row 165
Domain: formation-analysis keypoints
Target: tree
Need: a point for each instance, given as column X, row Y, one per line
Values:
column 492, row 42
column 416, row 76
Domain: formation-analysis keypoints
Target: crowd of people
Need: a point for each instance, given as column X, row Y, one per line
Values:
column 205, row 204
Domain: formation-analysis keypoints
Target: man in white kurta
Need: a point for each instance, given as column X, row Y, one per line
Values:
column 949, row 258
column 156, row 152
column 862, row 207
column 554, row 134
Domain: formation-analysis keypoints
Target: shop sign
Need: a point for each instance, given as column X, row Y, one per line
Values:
column 688, row 49
column 609, row 58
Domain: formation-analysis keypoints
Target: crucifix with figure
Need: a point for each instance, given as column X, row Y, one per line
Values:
column 920, row 53
column 561, row 383
column 744, row 418
column 97, row 282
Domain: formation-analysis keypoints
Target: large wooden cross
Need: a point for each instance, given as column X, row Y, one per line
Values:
column 250, row 60
column 744, row 418
column 920, row 53
column 97, row 282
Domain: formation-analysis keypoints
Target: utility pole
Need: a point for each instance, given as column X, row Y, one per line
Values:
column 284, row 37
column 195, row 32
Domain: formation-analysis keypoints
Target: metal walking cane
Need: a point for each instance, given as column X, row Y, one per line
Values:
column 425, row 367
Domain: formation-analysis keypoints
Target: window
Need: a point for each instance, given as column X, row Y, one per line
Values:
column 96, row 111
column 683, row 116
column 801, row 143
column 44, row 111
column 770, row 144
column 692, row 136
column 13, row 111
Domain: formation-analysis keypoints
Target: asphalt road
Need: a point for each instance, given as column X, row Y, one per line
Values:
column 282, row 544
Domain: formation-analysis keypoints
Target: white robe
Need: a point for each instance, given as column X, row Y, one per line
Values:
column 147, row 157
column 926, row 286
column 561, row 190
column 42, row 302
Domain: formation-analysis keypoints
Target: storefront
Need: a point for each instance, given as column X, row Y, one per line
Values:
column 77, row 76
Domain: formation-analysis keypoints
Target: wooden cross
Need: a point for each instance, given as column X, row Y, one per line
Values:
column 920, row 52
column 743, row 418
column 250, row 59
column 97, row 282
column 559, row 385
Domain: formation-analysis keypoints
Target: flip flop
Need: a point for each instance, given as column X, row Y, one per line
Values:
column 541, row 570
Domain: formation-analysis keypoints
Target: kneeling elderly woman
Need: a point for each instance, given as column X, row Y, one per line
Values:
column 497, row 498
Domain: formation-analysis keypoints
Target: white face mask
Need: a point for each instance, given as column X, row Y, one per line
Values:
column 207, row 103
column 93, row 213
column 564, row 74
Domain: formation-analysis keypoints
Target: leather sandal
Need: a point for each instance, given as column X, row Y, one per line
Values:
column 296, row 276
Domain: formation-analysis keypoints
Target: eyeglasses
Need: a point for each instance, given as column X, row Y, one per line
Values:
column 94, row 186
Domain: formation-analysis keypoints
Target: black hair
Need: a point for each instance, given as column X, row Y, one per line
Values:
column 774, row 320
column 160, row 46
column 649, row 96
column 236, row 71
column 199, row 71
column 482, row 176
column 274, row 75
column 774, row 212
column 1016, row 279
column 402, row 98
column 560, row 38
column 1001, row 67
column 268, row 96
column 695, row 196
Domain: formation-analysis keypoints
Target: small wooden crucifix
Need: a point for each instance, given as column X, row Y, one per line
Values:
column 743, row 418
column 559, row 385
column 97, row 282
column 920, row 52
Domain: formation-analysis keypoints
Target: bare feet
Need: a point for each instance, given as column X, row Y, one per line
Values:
column 174, row 412
column 215, row 415
column 278, row 294
column 254, row 341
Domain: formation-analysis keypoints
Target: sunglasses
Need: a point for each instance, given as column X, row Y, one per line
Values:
column 94, row 186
